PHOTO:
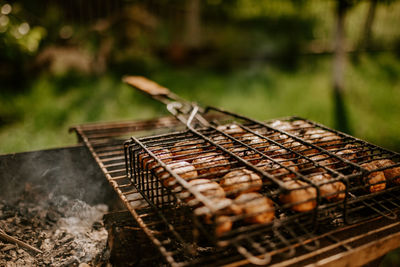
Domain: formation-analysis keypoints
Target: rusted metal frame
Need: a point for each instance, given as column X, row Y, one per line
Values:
column 379, row 203
column 106, row 154
column 114, row 159
column 148, row 232
column 314, row 162
column 183, row 182
column 170, row 171
column 396, row 197
column 166, row 223
column 393, row 215
column 288, row 134
column 245, row 162
column 264, row 173
column 350, row 137
column 357, row 166
column 298, row 175
column 111, row 148
column 144, row 181
column 337, row 243
column 129, row 126
column 112, row 165
column 365, row 253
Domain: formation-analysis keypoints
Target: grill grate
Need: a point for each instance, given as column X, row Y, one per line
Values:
column 281, row 240
column 167, row 169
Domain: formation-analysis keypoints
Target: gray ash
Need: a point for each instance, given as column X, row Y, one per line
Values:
column 68, row 231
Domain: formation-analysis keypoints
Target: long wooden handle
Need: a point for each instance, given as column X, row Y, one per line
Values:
column 11, row 239
column 145, row 85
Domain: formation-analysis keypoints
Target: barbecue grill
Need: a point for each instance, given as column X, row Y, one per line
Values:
column 182, row 221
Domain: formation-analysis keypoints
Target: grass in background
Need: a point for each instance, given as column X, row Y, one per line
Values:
column 44, row 113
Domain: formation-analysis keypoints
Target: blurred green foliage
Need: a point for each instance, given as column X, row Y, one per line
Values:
column 40, row 118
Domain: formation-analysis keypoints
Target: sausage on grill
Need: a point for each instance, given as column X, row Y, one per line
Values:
column 321, row 159
column 182, row 168
column 275, row 150
column 375, row 181
column 281, row 125
column 211, row 190
column 207, row 163
column 241, row 181
column 223, row 141
column 332, row 191
column 186, row 150
column 322, row 137
column 362, row 152
column 277, row 170
column 161, row 153
column 301, row 199
column 255, row 207
column 247, row 154
column 392, row 174
column 231, row 129
column 349, row 154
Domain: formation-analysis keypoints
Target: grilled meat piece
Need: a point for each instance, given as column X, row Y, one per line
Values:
column 300, row 195
column 212, row 190
column 391, row 174
column 277, row 170
column 282, row 125
column 187, row 150
column 241, row 181
column 275, row 150
column 322, row 138
column 210, row 163
column 255, row 207
column 231, row 129
column 349, row 154
column 223, row 141
column 161, row 153
column 223, row 224
column 375, row 181
column 332, row 191
column 182, row 168
column 245, row 153
column 321, row 159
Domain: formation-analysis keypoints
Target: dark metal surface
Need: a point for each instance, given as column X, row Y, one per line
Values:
column 69, row 171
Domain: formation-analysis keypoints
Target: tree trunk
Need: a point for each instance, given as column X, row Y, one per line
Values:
column 365, row 41
column 339, row 62
column 193, row 24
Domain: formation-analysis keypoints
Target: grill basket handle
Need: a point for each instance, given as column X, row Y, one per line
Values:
column 261, row 260
column 147, row 86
